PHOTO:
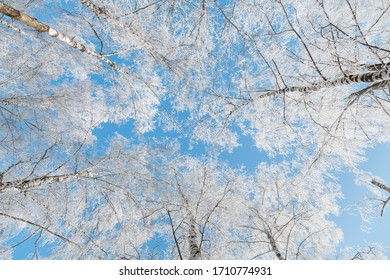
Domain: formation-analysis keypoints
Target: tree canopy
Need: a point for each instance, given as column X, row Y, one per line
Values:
column 308, row 82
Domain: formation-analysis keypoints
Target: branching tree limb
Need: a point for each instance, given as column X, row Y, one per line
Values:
column 385, row 188
column 44, row 28
column 380, row 185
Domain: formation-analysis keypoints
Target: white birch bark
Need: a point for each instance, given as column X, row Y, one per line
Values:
column 274, row 247
column 193, row 240
column 44, row 28
column 24, row 185
column 380, row 185
column 378, row 75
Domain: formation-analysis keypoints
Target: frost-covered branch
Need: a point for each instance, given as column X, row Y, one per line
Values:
column 380, row 185
column 385, row 188
column 45, row 228
column 174, row 234
column 45, row 28
column 101, row 12
column 27, row 184
column 382, row 76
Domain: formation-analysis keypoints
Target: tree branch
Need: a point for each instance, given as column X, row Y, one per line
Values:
column 44, row 28
column 174, row 234
column 380, row 185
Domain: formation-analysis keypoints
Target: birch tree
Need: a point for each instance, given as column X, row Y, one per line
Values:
column 194, row 196
column 132, row 86
column 308, row 82
column 93, row 212
column 311, row 83
column 288, row 216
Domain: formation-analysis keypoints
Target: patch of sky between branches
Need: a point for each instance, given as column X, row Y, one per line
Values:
column 246, row 155
column 349, row 221
column 26, row 249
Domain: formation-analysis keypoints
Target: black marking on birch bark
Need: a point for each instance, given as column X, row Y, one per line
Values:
column 380, row 185
column 24, row 185
column 376, row 67
column 378, row 76
column 96, row 9
column 41, row 27
column 274, row 247
column 195, row 253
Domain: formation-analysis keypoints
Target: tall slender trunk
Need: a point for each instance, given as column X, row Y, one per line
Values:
column 274, row 247
column 195, row 253
column 380, row 75
column 193, row 240
column 44, row 28
column 380, row 185
column 24, row 185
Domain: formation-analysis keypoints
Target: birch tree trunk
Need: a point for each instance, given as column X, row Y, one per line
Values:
column 380, row 76
column 380, row 185
column 24, row 185
column 274, row 247
column 44, row 28
column 193, row 240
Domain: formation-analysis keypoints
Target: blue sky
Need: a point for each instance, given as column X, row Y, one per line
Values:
column 350, row 222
